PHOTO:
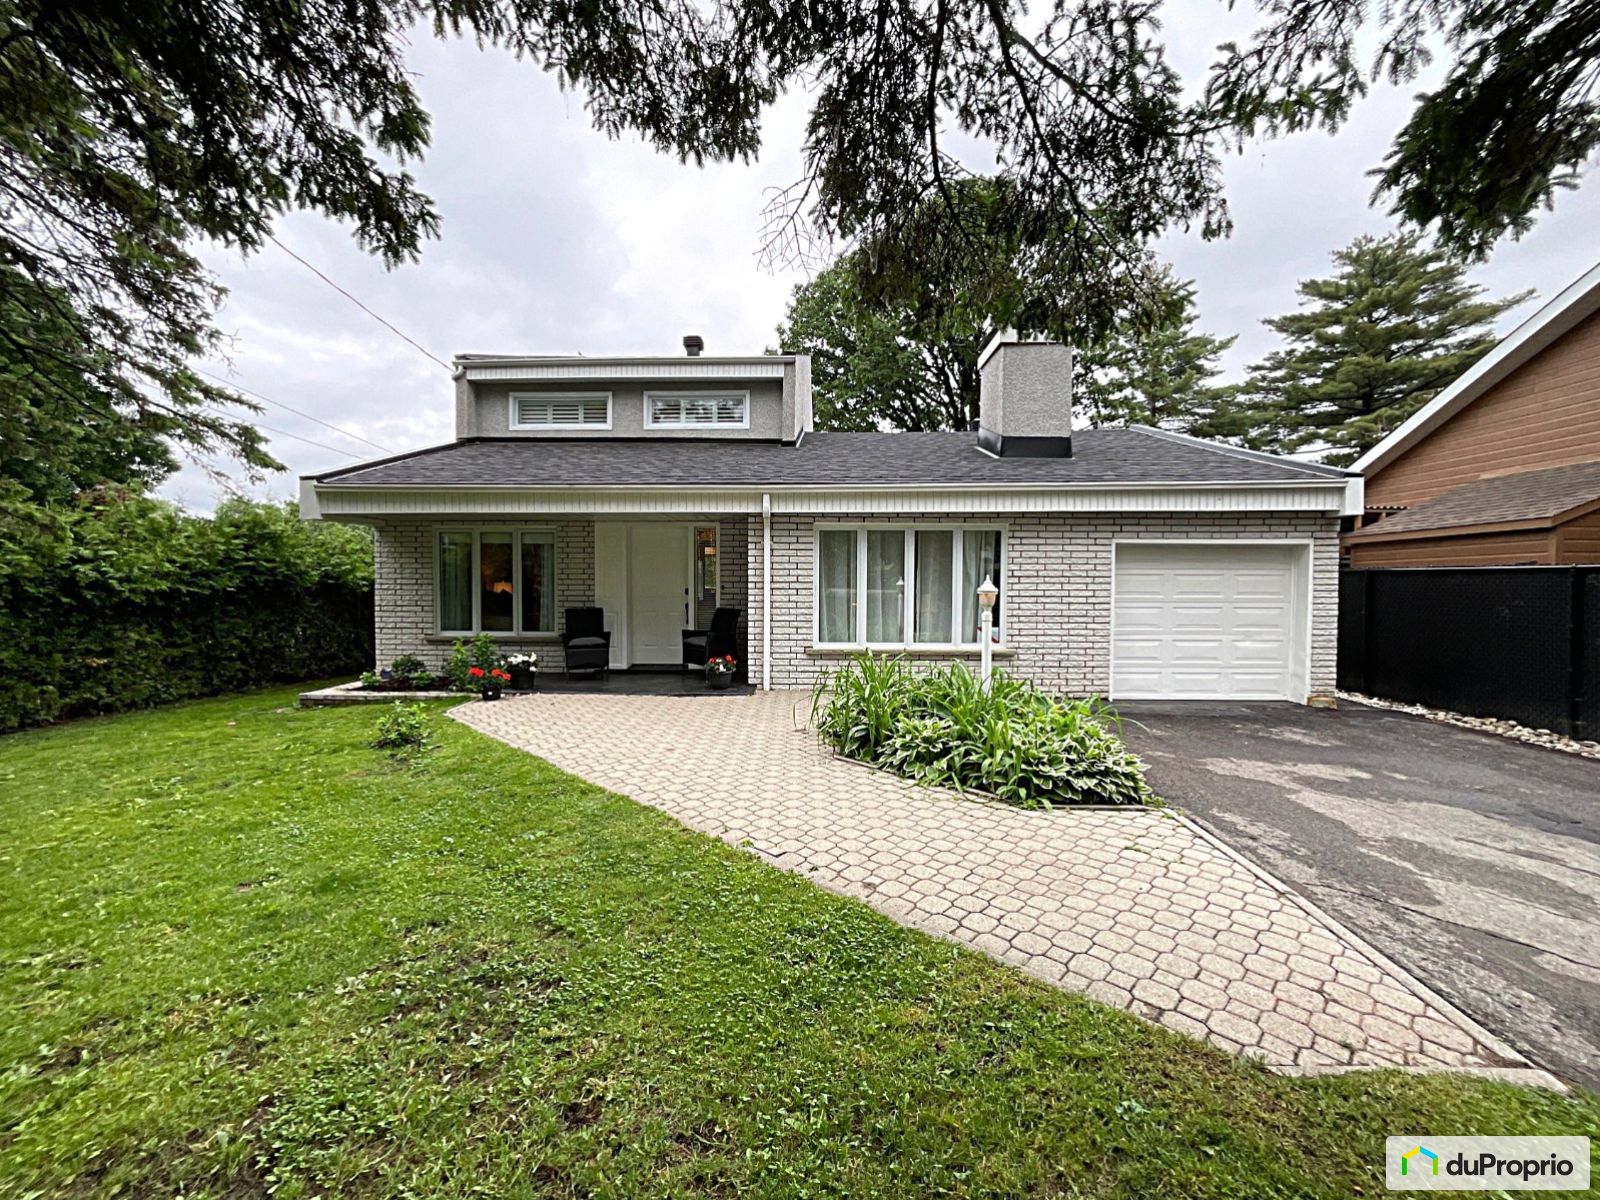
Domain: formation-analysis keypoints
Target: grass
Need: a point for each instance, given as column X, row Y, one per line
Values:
column 242, row 952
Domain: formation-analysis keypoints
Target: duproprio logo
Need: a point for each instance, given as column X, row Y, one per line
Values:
column 1419, row 1153
column 1477, row 1164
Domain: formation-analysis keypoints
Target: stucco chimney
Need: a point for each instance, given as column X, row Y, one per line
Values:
column 1025, row 397
column 693, row 344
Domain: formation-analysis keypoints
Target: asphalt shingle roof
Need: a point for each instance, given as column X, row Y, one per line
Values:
column 1099, row 456
column 1524, row 496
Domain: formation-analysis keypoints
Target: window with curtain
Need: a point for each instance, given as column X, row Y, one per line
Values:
column 496, row 581
column 455, row 582
column 980, row 560
column 935, row 580
column 538, row 583
column 886, row 585
column 903, row 585
column 836, row 592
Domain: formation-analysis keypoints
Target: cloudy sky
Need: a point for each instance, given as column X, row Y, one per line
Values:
column 557, row 240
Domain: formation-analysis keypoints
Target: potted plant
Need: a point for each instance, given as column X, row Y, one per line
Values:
column 719, row 671
column 522, row 668
column 488, row 684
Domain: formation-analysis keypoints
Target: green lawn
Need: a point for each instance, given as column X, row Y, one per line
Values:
column 241, row 951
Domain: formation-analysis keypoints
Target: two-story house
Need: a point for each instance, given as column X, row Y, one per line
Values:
column 1502, row 468
column 1130, row 562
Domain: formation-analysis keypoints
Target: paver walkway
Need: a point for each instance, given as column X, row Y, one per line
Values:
column 1132, row 907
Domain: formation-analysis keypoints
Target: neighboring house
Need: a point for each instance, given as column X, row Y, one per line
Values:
column 1503, row 466
column 1130, row 562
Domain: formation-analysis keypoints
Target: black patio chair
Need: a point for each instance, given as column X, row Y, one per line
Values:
column 586, row 643
column 722, row 638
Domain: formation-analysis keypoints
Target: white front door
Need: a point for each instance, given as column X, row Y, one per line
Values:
column 658, row 593
column 1206, row 622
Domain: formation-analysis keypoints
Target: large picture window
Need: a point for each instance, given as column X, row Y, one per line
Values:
column 496, row 581
column 904, row 585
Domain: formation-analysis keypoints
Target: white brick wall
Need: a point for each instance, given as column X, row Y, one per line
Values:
column 1058, row 597
column 404, row 565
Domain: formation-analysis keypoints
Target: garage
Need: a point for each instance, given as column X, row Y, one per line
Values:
column 1209, row 621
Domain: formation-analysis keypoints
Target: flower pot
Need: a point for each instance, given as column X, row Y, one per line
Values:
column 490, row 693
column 720, row 682
column 522, row 679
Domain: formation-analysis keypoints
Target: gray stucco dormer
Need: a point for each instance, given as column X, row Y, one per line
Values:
column 756, row 398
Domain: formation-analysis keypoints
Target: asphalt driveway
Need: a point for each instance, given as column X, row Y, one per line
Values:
column 1471, row 860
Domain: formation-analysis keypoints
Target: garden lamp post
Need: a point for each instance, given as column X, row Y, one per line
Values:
column 987, row 595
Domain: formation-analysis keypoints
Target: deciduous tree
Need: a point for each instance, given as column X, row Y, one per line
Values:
column 905, row 356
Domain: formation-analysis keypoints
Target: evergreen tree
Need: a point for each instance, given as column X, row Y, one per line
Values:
column 1160, row 377
column 1394, row 324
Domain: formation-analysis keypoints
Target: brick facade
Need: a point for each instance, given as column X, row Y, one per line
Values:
column 404, row 566
column 1058, row 590
column 1057, row 580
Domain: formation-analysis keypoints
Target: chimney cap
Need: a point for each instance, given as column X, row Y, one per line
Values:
column 693, row 344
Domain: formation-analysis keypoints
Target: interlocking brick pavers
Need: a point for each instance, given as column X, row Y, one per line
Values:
column 1134, row 907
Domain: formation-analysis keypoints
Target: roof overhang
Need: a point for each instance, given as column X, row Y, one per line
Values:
column 1575, row 303
column 331, row 501
column 1377, row 533
column 577, row 370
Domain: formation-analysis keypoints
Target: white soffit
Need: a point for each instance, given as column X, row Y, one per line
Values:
column 332, row 500
column 684, row 369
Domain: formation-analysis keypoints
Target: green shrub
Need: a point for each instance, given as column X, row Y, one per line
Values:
column 481, row 652
column 1009, row 739
column 412, row 672
column 456, row 670
column 403, row 727
column 127, row 602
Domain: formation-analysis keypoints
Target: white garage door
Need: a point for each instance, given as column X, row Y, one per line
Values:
column 1206, row 622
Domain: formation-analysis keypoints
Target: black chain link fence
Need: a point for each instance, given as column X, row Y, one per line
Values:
column 1522, row 643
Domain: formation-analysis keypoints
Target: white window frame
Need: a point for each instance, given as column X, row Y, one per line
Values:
column 909, row 529
column 650, row 397
column 548, row 536
column 515, row 397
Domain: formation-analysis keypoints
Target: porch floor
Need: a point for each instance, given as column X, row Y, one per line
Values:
column 636, row 681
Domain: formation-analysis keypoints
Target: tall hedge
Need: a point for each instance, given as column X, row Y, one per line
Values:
column 124, row 602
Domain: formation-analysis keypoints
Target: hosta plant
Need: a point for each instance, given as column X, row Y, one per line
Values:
column 1009, row 739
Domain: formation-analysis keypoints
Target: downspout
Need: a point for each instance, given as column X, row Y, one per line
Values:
column 766, row 591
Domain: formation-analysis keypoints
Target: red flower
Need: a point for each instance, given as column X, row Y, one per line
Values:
column 475, row 672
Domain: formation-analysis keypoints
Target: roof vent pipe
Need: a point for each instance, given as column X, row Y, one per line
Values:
column 693, row 344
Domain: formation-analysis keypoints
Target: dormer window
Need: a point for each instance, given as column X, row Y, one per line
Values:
column 697, row 410
column 560, row 410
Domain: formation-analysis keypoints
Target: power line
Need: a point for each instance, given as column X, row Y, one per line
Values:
column 414, row 344
column 280, row 404
column 306, row 440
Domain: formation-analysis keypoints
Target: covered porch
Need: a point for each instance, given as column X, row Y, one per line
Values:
column 517, row 578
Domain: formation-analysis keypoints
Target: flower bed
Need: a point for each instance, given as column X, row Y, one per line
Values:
column 1008, row 739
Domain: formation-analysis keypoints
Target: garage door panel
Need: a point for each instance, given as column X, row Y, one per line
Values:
column 1203, row 621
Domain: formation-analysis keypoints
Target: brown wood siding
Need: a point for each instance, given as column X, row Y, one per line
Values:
column 1476, row 550
column 1545, row 414
column 1579, row 541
